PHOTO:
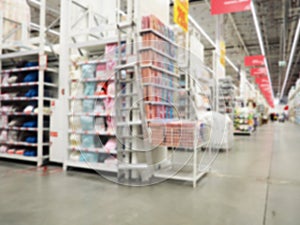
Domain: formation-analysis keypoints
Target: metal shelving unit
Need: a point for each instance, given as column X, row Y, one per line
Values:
column 35, row 50
column 85, row 40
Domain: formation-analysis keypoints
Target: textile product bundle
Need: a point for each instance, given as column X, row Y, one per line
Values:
column 16, row 10
column 177, row 134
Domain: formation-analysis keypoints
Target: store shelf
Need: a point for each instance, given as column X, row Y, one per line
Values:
column 160, row 70
column 101, row 133
column 22, row 128
column 25, row 99
column 26, row 69
column 160, row 86
column 21, row 114
column 159, row 35
column 160, row 103
column 91, row 97
column 95, row 61
column 90, row 80
column 20, row 54
column 242, row 133
column 18, row 157
column 92, row 114
column 92, row 166
column 95, row 45
column 159, row 52
column 27, row 84
column 97, row 150
column 19, row 143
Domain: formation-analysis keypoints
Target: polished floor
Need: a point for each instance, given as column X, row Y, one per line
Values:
column 257, row 183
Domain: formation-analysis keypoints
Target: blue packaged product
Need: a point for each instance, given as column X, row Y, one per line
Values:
column 88, row 71
column 31, row 77
column 89, row 89
column 88, row 105
column 87, row 141
column 87, row 122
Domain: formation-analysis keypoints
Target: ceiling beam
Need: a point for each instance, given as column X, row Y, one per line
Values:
column 238, row 34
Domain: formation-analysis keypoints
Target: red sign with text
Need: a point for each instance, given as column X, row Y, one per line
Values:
column 260, row 71
column 229, row 6
column 255, row 60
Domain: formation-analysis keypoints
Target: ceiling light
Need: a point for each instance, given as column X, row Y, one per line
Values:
column 291, row 59
column 261, row 43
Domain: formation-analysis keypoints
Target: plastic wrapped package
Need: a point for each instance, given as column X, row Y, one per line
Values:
column 75, row 156
column 88, row 157
column 5, row 78
column 110, row 124
column 88, row 71
column 111, row 145
column 12, row 135
column 100, row 124
column 88, row 105
column 87, row 141
column 89, row 89
column 75, row 140
column 74, row 123
column 3, row 149
column 111, row 89
column 76, row 89
column 109, row 104
column 101, row 70
column 75, row 106
column 99, row 107
column 3, row 120
column 87, row 123
column 3, row 136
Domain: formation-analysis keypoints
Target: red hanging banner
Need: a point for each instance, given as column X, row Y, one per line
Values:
column 229, row 6
column 260, row 71
column 255, row 60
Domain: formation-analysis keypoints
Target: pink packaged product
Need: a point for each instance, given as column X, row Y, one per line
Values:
column 111, row 89
column 111, row 145
column 110, row 124
column 110, row 50
column 3, row 149
column 109, row 105
column 101, row 70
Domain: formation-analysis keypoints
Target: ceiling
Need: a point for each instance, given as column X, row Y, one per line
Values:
column 278, row 21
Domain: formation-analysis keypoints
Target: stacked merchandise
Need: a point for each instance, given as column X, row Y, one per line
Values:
column 294, row 103
column 159, row 69
column 19, row 110
column 226, row 96
column 243, row 121
column 92, row 89
column 297, row 108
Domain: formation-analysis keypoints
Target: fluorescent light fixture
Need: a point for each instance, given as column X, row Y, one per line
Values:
column 288, row 70
column 261, row 43
column 200, row 29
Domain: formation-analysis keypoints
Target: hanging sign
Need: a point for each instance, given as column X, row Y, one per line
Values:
column 260, row 71
column 255, row 60
column 181, row 13
column 229, row 6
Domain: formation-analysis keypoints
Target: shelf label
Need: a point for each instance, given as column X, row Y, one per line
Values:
column 181, row 13
column 229, row 6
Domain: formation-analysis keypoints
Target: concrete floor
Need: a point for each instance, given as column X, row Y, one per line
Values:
column 257, row 183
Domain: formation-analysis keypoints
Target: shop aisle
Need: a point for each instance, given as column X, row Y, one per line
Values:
column 257, row 183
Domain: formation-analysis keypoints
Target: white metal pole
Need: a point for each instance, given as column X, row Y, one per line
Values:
column 42, row 37
column 64, row 71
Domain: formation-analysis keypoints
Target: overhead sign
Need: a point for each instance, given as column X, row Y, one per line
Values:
column 260, row 71
column 229, row 6
column 255, row 60
column 181, row 13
